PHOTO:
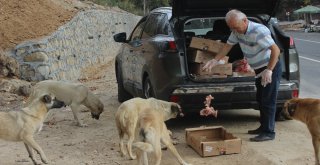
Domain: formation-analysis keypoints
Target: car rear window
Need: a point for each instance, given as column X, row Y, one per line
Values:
column 156, row 24
column 199, row 26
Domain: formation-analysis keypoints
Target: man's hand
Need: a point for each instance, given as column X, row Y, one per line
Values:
column 209, row 65
column 266, row 77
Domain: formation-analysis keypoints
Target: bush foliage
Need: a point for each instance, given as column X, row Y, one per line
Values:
column 138, row 7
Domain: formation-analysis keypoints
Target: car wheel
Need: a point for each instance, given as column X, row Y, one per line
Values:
column 123, row 95
column 147, row 88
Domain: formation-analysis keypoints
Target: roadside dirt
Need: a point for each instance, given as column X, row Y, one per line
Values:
column 97, row 144
column 23, row 20
column 66, row 144
column 29, row 19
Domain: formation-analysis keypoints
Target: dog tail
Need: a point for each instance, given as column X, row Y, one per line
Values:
column 146, row 147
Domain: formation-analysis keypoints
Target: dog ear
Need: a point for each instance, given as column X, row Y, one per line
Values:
column 46, row 99
column 284, row 111
column 291, row 107
column 175, row 107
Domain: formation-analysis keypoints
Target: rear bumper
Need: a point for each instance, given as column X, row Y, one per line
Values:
column 228, row 96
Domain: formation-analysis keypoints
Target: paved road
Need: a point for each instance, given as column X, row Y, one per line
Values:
column 308, row 46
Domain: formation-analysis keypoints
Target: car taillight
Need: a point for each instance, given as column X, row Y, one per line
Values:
column 171, row 47
column 291, row 44
column 174, row 98
column 295, row 93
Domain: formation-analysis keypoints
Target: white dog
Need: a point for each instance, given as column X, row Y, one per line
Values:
column 21, row 125
column 73, row 94
column 152, row 132
column 128, row 113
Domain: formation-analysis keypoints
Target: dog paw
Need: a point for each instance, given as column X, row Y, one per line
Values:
column 44, row 161
column 186, row 164
column 81, row 125
column 175, row 142
column 35, row 162
column 133, row 157
column 164, row 148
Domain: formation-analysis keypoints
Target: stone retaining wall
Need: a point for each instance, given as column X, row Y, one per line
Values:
column 85, row 41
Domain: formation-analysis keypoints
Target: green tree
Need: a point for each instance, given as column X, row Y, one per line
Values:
column 134, row 6
column 137, row 6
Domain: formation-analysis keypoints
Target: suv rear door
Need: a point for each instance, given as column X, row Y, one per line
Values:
column 147, row 50
column 150, row 50
column 209, row 7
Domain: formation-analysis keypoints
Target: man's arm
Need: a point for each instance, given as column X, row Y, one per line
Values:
column 266, row 76
column 274, row 56
column 223, row 52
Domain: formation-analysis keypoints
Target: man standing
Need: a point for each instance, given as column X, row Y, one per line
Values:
column 262, row 55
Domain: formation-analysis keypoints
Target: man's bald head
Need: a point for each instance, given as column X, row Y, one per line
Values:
column 237, row 21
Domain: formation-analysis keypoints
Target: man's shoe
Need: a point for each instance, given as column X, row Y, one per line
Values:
column 255, row 131
column 261, row 138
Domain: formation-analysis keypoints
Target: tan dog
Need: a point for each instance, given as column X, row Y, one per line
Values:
column 128, row 113
column 153, row 132
column 307, row 111
column 73, row 94
column 21, row 125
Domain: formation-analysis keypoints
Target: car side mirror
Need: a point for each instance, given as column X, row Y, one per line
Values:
column 120, row 37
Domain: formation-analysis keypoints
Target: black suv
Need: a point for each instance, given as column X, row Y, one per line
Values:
column 153, row 60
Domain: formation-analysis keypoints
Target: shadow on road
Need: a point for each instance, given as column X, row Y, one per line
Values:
column 225, row 118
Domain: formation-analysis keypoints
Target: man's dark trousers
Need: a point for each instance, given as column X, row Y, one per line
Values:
column 267, row 97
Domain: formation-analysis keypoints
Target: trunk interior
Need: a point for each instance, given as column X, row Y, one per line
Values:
column 204, row 37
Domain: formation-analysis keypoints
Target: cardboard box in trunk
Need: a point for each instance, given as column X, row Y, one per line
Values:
column 206, row 44
column 199, row 56
column 244, row 74
column 222, row 69
column 212, row 141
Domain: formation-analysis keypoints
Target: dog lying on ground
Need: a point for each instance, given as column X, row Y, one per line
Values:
column 73, row 94
column 128, row 113
column 152, row 132
column 306, row 110
column 21, row 125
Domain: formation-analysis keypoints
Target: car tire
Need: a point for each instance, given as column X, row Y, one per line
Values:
column 123, row 95
column 147, row 88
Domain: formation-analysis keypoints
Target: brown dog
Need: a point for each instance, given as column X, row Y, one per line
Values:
column 306, row 110
column 128, row 113
column 152, row 132
column 73, row 94
column 21, row 125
